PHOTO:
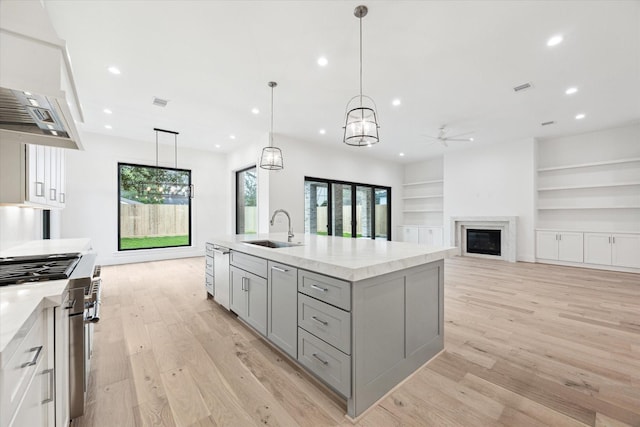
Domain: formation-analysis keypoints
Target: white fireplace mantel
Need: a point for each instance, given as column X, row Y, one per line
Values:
column 507, row 224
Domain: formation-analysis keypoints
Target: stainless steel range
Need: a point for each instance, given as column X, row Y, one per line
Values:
column 81, row 308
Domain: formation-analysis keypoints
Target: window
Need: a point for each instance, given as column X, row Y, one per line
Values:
column 247, row 201
column 154, row 207
column 347, row 209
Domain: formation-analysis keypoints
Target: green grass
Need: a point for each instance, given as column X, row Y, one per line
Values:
column 153, row 242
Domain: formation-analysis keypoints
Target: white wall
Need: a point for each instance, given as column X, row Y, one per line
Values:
column 92, row 195
column 285, row 189
column 493, row 180
column 19, row 225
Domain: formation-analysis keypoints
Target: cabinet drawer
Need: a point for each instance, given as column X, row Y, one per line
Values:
column 250, row 263
column 326, row 322
column 208, row 280
column 208, row 249
column 16, row 375
column 329, row 364
column 208, row 262
column 332, row 291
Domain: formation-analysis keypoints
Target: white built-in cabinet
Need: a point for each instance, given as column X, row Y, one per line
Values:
column 559, row 246
column 431, row 236
column 32, row 175
column 617, row 249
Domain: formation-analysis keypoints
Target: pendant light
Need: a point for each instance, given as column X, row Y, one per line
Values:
column 271, row 158
column 361, row 123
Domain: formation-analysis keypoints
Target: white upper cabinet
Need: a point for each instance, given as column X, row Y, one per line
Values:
column 32, row 175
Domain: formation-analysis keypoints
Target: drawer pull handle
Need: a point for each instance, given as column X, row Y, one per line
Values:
column 35, row 358
column 318, row 288
column 51, row 386
column 281, row 270
column 323, row 322
column 324, row 362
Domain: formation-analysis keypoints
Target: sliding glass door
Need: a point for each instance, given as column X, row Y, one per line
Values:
column 347, row 209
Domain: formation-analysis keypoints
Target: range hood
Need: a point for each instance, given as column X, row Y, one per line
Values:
column 34, row 119
column 38, row 96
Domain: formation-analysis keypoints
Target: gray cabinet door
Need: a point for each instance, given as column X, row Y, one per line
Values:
column 256, row 290
column 283, row 307
column 238, row 297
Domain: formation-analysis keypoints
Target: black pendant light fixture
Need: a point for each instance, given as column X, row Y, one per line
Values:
column 271, row 158
column 361, row 122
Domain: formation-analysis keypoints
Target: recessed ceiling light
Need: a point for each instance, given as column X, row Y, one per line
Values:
column 114, row 70
column 401, row 154
column 396, row 102
column 571, row 90
column 471, row 139
column 107, row 127
column 107, row 111
column 555, row 40
column 217, row 145
column 322, row 61
column 27, row 93
column 53, row 132
column 255, row 111
column 232, row 137
column 580, row 116
column 322, row 131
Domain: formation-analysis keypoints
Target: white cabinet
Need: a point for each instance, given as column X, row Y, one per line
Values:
column 559, row 246
column 617, row 249
column 27, row 391
column 32, row 175
column 431, row 236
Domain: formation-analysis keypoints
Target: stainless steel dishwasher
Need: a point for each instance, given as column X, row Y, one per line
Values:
column 221, row 275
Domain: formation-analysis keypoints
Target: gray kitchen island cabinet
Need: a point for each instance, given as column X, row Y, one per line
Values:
column 249, row 298
column 282, row 309
column 360, row 315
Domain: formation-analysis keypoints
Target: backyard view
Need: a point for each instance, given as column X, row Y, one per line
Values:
column 154, row 206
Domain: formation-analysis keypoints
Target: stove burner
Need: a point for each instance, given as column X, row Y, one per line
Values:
column 18, row 270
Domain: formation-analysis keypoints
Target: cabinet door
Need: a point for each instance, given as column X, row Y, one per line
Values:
column 438, row 238
column 36, row 173
column 425, row 236
column 547, row 245
column 625, row 250
column 282, row 322
column 51, row 173
column 570, row 247
column 62, row 183
column 238, row 297
column 411, row 235
column 597, row 248
column 257, row 302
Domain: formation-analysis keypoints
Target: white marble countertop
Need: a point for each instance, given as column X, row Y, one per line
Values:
column 20, row 304
column 343, row 258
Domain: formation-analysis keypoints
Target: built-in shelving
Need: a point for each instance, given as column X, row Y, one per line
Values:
column 577, row 189
column 591, row 164
column 435, row 181
column 557, row 208
column 580, row 187
column 433, row 196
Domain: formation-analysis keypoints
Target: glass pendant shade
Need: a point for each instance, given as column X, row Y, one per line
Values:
column 361, row 125
column 271, row 158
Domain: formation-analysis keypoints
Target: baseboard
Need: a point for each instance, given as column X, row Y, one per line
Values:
column 591, row 266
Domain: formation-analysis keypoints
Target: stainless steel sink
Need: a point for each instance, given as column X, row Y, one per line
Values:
column 271, row 243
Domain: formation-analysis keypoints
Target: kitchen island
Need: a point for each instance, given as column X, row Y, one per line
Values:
column 361, row 315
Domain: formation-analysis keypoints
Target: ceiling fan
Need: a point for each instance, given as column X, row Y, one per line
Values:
column 444, row 139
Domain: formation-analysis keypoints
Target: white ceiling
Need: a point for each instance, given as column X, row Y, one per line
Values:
column 450, row 62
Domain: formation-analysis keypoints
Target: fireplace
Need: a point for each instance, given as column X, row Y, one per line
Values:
column 506, row 226
column 485, row 242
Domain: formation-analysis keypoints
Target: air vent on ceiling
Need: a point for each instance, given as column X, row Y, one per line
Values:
column 160, row 102
column 522, row 87
column 551, row 122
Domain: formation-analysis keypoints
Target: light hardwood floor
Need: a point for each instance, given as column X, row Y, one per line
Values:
column 526, row 345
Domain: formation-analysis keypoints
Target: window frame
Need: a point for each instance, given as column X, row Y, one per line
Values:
column 353, row 186
column 237, row 175
column 190, row 184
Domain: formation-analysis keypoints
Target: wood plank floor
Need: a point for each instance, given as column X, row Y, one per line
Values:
column 526, row 345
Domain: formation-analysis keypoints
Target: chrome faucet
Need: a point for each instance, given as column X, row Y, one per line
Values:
column 273, row 217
